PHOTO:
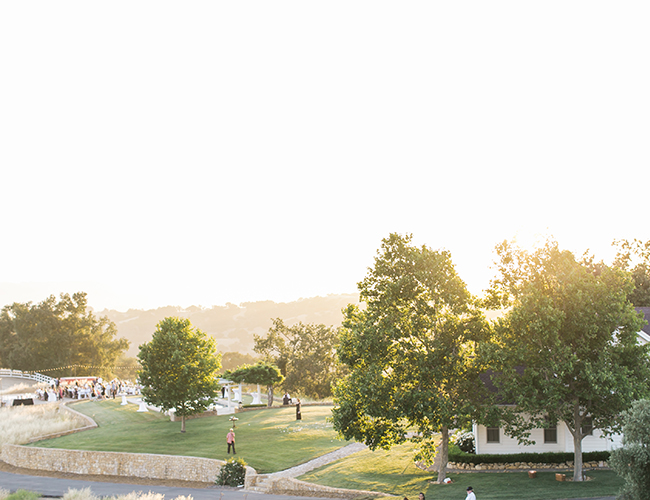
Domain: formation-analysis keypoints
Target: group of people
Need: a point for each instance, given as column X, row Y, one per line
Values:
column 91, row 388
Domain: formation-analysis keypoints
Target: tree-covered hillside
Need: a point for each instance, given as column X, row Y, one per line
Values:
column 233, row 326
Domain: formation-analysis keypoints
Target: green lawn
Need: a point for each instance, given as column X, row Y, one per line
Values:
column 268, row 440
column 393, row 472
column 272, row 440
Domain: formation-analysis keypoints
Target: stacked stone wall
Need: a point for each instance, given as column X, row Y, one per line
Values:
column 461, row 467
column 142, row 465
column 279, row 485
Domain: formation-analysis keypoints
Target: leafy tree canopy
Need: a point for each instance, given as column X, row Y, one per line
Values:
column 634, row 256
column 305, row 354
column 52, row 336
column 179, row 368
column 232, row 360
column 260, row 373
column 410, row 351
column 572, row 328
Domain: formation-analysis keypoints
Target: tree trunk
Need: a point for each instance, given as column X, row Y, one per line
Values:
column 183, row 423
column 577, row 456
column 270, row 396
column 443, row 454
column 577, row 444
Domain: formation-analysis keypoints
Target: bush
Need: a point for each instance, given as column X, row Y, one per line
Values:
column 538, row 458
column 24, row 495
column 232, row 473
column 632, row 460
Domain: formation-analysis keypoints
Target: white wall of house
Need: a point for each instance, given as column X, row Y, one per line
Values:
column 507, row 445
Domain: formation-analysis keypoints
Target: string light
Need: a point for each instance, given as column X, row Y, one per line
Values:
column 94, row 367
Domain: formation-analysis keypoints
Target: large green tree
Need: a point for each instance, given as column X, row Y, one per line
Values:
column 573, row 331
column 305, row 354
column 57, row 337
column 410, row 352
column 179, row 368
column 261, row 373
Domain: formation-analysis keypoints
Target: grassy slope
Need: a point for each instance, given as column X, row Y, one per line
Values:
column 267, row 440
column 394, row 473
column 272, row 440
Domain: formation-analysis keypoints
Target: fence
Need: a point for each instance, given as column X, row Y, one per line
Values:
column 4, row 372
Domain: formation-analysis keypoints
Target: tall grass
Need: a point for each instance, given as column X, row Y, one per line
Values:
column 23, row 388
column 19, row 424
column 87, row 494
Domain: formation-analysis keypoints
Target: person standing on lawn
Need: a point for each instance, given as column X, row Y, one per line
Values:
column 470, row 494
column 230, row 439
column 298, row 412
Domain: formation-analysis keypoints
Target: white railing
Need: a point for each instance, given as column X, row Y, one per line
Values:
column 4, row 372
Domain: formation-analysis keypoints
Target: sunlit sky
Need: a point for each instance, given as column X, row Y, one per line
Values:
column 198, row 153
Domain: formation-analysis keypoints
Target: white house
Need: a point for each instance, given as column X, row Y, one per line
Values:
column 493, row 440
column 554, row 439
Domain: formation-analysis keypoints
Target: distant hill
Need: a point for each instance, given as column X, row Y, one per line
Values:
column 231, row 325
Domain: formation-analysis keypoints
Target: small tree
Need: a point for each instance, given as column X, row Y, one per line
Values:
column 260, row 373
column 632, row 461
column 179, row 368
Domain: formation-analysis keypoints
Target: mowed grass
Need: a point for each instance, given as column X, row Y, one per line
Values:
column 394, row 473
column 268, row 440
column 272, row 440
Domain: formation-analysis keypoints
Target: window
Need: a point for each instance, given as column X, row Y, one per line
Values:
column 550, row 434
column 492, row 434
column 587, row 427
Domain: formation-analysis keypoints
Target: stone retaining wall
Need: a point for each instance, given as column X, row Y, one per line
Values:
column 143, row 465
column 461, row 467
column 268, row 483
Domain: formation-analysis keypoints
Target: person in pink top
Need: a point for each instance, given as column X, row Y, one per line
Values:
column 230, row 439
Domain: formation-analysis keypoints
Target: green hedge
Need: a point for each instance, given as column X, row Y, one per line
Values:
column 458, row 456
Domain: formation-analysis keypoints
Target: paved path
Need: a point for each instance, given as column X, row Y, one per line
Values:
column 299, row 470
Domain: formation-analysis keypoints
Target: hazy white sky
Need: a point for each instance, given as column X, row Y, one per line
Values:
column 179, row 153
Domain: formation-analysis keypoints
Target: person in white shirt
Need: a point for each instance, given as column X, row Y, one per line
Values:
column 470, row 494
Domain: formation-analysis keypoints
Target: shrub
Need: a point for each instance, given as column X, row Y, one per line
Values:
column 24, row 495
column 538, row 458
column 232, row 473
column 632, row 460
